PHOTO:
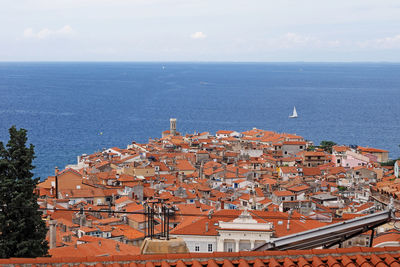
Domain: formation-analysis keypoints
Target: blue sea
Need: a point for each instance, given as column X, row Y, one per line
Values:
column 75, row 108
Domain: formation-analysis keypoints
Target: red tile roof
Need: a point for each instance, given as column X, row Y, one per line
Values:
column 371, row 150
column 324, row 257
column 282, row 193
column 100, row 247
column 294, row 143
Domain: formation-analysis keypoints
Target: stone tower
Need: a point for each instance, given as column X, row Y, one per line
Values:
column 172, row 126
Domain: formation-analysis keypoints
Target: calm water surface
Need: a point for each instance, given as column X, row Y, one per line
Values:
column 66, row 106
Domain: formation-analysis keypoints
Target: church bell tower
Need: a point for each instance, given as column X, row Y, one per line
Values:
column 172, row 126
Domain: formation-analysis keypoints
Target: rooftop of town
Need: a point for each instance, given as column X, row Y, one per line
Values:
column 228, row 192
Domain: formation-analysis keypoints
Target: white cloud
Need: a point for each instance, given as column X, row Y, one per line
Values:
column 198, row 35
column 63, row 32
column 382, row 43
column 28, row 32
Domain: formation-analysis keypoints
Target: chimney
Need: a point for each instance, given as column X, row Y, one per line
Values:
column 117, row 247
column 210, row 213
column 45, row 203
column 206, row 227
column 99, row 243
column 82, row 220
column 201, row 170
column 53, row 232
column 224, row 170
column 288, row 222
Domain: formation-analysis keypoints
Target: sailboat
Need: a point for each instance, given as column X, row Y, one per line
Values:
column 294, row 115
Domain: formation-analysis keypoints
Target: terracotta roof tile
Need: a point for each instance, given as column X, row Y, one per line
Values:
column 196, row 263
column 376, row 261
column 288, row 263
column 333, row 257
column 243, row 263
column 303, row 262
column 258, row 263
column 212, row 263
column 274, row 263
column 346, row 261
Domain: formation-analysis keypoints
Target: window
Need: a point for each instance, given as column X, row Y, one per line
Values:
column 230, row 249
column 210, row 248
column 301, row 147
column 196, row 248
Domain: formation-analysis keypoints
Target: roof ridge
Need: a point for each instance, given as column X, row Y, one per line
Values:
column 246, row 255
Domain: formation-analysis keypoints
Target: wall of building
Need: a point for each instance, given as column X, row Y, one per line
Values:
column 199, row 243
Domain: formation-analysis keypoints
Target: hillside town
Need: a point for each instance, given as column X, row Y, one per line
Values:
column 228, row 192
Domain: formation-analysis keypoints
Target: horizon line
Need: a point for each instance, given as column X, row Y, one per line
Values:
column 196, row 61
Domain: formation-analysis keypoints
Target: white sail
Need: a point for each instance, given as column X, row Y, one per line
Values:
column 294, row 115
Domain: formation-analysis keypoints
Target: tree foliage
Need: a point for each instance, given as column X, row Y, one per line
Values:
column 327, row 145
column 389, row 162
column 22, row 230
column 310, row 148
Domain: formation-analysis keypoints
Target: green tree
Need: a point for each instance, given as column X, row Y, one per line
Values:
column 327, row 145
column 311, row 148
column 22, row 230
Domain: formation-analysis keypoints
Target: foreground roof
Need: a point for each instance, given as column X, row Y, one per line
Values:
column 356, row 256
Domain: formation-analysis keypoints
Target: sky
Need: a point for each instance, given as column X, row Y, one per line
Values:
column 200, row 30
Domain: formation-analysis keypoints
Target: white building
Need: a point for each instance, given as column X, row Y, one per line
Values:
column 242, row 233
